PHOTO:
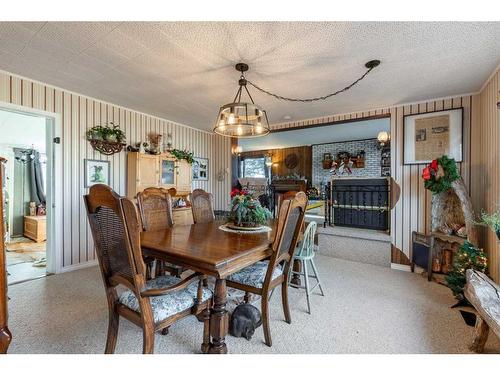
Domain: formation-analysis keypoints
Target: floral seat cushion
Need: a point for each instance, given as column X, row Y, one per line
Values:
column 169, row 304
column 254, row 275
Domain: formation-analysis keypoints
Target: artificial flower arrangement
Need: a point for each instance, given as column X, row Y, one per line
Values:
column 246, row 211
column 439, row 174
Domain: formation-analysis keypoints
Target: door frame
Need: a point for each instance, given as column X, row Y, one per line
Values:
column 54, row 182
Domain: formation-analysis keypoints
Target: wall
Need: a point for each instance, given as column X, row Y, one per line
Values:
column 412, row 212
column 278, row 157
column 80, row 113
column 372, row 159
column 487, row 167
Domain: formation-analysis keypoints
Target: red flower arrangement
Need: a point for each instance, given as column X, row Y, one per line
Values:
column 237, row 191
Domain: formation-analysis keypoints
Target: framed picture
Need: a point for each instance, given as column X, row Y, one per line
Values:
column 200, row 169
column 428, row 136
column 96, row 172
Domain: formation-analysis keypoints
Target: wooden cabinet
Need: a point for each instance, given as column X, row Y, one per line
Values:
column 35, row 228
column 144, row 170
column 184, row 177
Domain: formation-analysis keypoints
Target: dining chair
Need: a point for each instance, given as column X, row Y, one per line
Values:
column 155, row 207
column 153, row 304
column 263, row 277
column 304, row 254
column 202, row 206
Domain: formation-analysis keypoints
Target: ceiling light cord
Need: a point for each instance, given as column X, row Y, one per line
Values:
column 369, row 65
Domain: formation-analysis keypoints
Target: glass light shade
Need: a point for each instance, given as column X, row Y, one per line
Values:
column 241, row 120
column 383, row 137
column 268, row 161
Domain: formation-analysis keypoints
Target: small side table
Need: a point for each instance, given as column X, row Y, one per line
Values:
column 35, row 228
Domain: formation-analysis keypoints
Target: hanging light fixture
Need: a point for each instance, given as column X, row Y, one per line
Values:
column 242, row 119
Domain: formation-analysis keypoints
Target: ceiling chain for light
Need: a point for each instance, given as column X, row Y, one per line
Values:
column 370, row 65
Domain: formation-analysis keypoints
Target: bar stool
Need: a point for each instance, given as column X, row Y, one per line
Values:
column 304, row 254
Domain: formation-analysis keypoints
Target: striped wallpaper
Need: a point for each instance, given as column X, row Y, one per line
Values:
column 488, row 164
column 79, row 113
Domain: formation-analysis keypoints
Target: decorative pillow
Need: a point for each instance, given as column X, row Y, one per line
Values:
column 169, row 304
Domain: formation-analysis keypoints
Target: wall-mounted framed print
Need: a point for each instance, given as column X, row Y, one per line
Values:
column 428, row 136
column 200, row 169
column 96, row 172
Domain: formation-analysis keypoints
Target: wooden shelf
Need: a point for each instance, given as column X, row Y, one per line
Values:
column 449, row 237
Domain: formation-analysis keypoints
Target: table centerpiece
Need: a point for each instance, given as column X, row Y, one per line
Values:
column 246, row 211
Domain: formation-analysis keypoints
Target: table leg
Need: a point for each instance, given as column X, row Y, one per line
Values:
column 295, row 281
column 219, row 319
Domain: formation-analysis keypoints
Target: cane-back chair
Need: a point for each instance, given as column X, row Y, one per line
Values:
column 202, row 206
column 155, row 207
column 153, row 304
column 262, row 277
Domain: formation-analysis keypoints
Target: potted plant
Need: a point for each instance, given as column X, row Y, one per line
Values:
column 96, row 132
column 183, row 155
column 492, row 221
column 246, row 211
column 112, row 134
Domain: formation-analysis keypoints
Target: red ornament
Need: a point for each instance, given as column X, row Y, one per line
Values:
column 234, row 192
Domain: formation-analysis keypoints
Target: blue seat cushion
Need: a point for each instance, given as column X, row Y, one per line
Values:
column 169, row 304
column 254, row 275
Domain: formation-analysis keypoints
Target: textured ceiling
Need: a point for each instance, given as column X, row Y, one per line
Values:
column 183, row 71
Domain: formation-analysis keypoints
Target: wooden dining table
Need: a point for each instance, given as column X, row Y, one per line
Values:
column 212, row 251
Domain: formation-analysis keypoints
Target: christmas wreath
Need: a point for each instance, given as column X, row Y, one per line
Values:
column 439, row 174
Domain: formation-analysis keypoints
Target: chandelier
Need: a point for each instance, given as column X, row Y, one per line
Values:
column 246, row 120
column 242, row 119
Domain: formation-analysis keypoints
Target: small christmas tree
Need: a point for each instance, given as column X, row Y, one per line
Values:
column 466, row 257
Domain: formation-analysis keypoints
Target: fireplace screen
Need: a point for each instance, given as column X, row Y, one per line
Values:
column 358, row 203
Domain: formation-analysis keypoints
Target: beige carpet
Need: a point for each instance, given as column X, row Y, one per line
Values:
column 367, row 309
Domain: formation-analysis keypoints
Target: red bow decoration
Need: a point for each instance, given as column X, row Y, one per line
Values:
column 426, row 173
column 434, row 165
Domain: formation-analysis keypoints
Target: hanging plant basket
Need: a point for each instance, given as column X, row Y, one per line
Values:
column 106, row 147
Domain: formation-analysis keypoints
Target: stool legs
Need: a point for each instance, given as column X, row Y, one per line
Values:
column 306, row 282
column 316, row 276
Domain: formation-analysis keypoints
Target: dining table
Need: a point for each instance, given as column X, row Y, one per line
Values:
column 212, row 251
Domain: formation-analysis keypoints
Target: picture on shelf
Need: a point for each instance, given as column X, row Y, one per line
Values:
column 96, row 172
column 200, row 169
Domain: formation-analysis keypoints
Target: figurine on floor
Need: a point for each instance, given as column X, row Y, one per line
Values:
column 244, row 321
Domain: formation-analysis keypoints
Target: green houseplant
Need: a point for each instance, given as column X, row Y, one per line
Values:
column 246, row 211
column 110, row 133
column 492, row 221
column 183, row 155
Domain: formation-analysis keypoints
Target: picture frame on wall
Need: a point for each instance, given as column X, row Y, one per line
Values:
column 200, row 169
column 428, row 136
column 96, row 172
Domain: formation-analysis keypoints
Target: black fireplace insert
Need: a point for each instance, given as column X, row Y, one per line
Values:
column 358, row 203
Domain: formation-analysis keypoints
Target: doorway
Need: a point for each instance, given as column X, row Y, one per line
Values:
column 26, row 143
